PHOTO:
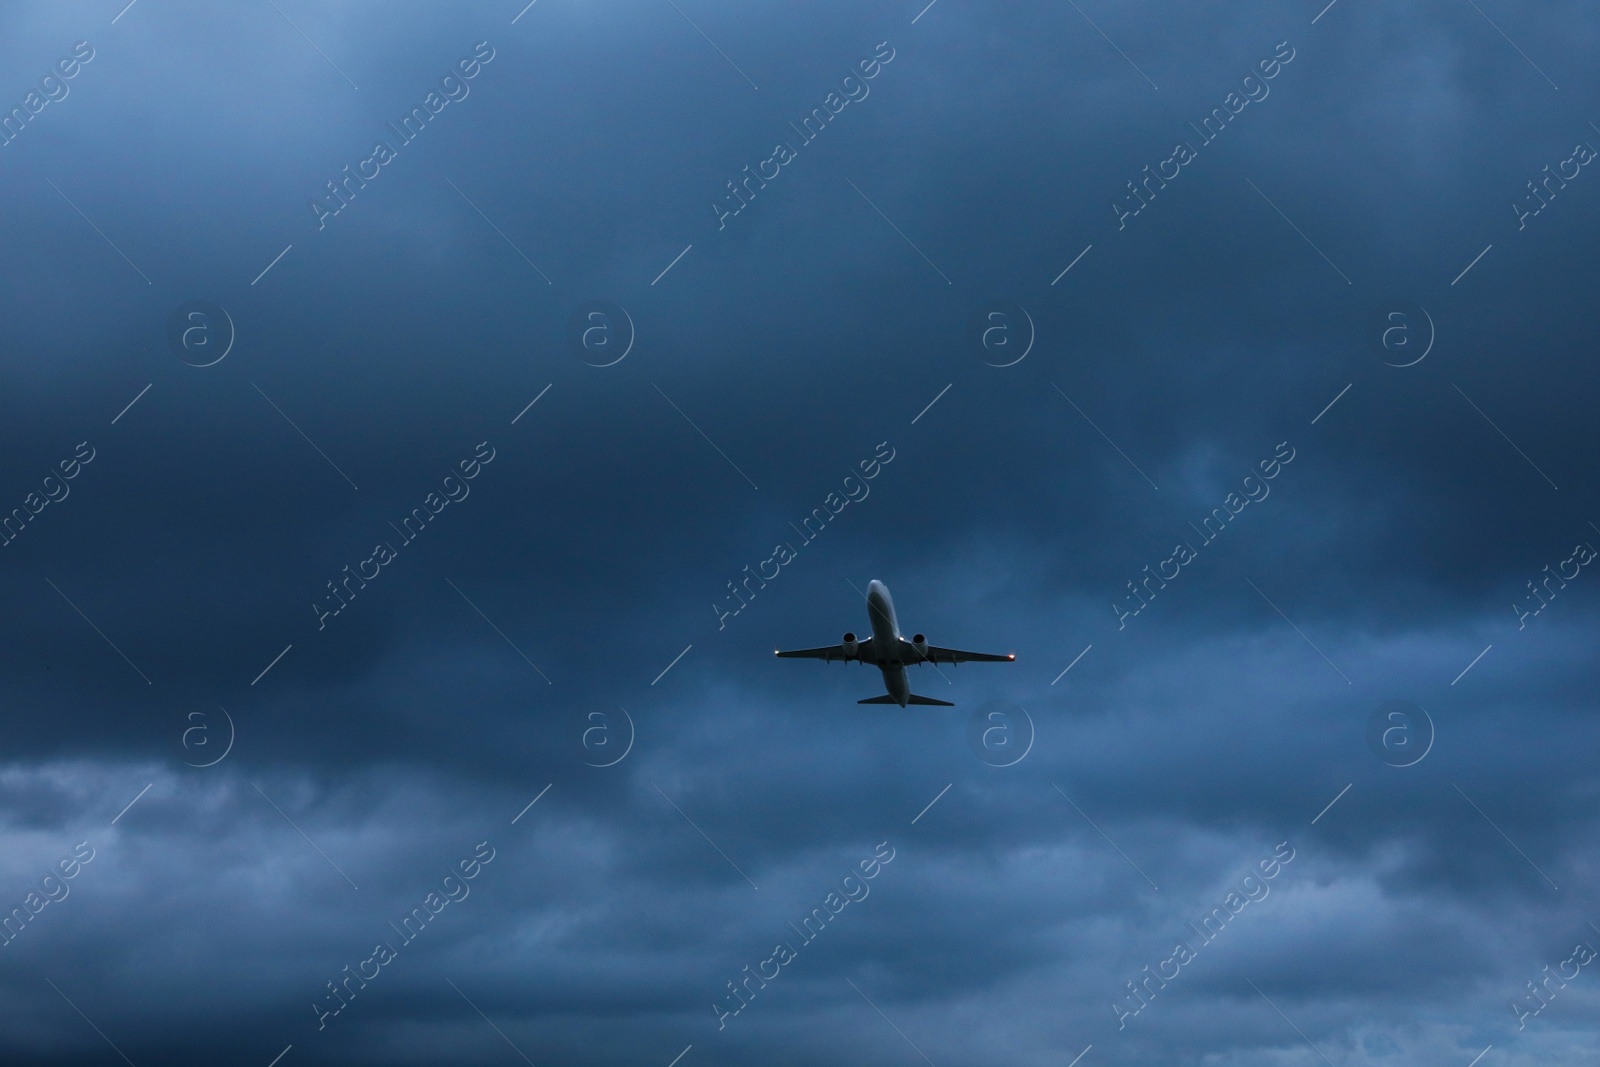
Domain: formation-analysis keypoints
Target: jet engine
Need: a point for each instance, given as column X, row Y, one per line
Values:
column 920, row 643
column 850, row 644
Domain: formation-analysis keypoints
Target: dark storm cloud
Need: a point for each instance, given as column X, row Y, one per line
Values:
column 1234, row 318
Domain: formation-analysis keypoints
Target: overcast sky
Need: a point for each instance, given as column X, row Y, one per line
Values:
column 397, row 401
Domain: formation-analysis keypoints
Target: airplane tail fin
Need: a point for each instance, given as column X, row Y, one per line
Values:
column 886, row 699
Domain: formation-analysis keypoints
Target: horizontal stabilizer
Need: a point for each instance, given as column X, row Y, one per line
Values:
column 886, row 699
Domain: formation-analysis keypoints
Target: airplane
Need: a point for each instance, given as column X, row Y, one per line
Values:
column 892, row 653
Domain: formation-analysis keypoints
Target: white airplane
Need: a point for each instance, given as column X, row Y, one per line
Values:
column 892, row 653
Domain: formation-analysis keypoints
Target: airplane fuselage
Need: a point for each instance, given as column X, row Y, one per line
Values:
column 886, row 635
column 892, row 653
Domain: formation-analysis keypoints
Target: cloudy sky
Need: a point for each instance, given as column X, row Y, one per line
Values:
column 397, row 399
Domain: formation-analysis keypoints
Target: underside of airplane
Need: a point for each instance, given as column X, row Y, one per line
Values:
column 892, row 653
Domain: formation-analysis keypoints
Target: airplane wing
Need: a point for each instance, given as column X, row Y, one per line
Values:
column 935, row 654
column 907, row 654
column 830, row 653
